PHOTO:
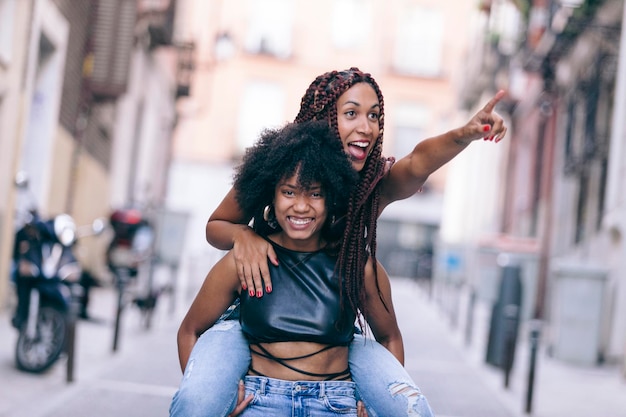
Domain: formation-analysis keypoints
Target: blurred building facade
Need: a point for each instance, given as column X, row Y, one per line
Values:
column 150, row 103
column 87, row 106
column 563, row 204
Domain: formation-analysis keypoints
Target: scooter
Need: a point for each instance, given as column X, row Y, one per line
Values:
column 130, row 248
column 47, row 279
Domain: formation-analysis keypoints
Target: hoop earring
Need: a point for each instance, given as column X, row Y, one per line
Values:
column 269, row 219
column 266, row 213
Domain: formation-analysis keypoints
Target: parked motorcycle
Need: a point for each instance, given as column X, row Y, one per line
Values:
column 47, row 278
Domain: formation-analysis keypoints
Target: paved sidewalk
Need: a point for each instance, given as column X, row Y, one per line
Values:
column 140, row 379
column 560, row 389
column 453, row 386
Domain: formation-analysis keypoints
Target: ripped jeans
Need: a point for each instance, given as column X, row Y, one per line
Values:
column 220, row 358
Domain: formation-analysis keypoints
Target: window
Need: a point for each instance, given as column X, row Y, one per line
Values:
column 605, row 113
column 351, row 21
column 270, row 27
column 587, row 133
column 262, row 107
column 418, row 49
column 409, row 127
column 7, row 11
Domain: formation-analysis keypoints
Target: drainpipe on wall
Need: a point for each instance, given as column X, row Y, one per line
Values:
column 614, row 220
column 545, row 237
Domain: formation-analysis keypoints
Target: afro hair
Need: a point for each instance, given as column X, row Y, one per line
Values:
column 309, row 148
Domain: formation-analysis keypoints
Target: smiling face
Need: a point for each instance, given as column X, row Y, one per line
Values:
column 301, row 213
column 358, row 113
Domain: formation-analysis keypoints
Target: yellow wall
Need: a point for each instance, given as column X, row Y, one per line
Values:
column 90, row 197
column 91, row 202
column 60, row 173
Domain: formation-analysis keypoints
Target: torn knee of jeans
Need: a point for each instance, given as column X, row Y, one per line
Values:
column 416, row 404
column 404, row 389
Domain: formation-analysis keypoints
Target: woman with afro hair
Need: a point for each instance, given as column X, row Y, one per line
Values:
column 292, row 183
column 352, row 104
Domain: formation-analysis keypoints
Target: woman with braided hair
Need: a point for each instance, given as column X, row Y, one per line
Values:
column 352, row 103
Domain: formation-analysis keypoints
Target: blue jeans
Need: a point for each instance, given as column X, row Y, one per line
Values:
column 276, row 397
column 220, row 359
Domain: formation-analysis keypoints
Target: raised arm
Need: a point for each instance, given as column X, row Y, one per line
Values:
column 228, row 229
column 381, row 316
column 218, row 291
column 408, row 174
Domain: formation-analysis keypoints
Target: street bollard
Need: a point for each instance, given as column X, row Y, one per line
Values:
column 469, row 325
column 69, row 348
column 535, row 335
column 70, row 333
column 122, row 279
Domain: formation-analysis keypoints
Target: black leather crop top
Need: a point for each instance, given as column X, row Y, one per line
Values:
column 304, row 303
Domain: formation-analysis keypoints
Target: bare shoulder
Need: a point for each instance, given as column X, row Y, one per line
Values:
column 225, row 270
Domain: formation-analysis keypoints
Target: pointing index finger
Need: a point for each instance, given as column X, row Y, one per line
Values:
column 491, row 104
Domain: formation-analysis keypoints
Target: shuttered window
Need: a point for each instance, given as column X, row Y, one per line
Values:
column 79, row 17
column 111, row 47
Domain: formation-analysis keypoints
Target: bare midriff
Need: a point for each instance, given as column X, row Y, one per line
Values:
column 333, row 360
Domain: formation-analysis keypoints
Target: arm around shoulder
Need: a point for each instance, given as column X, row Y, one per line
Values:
column 227, row 229
column 225, row 223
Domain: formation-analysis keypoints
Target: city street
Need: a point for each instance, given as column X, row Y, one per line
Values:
column 141, row 377
column 506, row 120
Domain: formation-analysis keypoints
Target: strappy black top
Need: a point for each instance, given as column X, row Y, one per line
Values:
column 304, row 304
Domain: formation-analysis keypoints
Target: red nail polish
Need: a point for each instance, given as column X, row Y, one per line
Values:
column 259, row 293
column 244, row 286
column 486, row 128
column 251, row 292
column 268, row 289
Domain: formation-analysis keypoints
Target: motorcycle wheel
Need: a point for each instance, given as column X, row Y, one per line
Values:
column 39, row 353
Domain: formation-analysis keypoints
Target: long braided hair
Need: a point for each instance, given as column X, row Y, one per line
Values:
column 358, row 241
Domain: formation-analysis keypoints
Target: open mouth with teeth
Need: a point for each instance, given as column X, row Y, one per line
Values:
column 358, row 150
column 299, row 222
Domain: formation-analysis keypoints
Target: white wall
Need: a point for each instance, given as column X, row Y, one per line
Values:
column 144, row 120
column 44, row 75
column 197, row 189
